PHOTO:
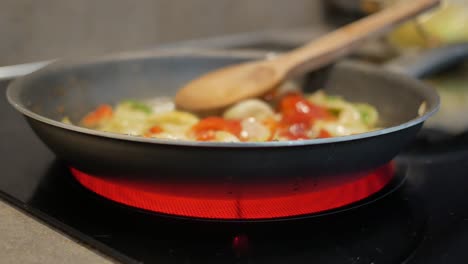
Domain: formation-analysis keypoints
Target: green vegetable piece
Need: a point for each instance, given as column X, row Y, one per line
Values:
column 333, row 97
column 335, row 112
column 368, row 113
column 134, row 104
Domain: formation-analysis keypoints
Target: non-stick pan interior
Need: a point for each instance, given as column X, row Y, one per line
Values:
column 76, row 89
column 72, row 89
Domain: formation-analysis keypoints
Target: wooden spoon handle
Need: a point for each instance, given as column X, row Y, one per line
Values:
column 342, row 41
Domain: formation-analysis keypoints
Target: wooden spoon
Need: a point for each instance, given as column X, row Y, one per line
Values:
column 229, row 85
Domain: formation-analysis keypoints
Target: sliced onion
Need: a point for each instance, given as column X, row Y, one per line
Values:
column 252, row 130
column 160, row 105
column 249, row 108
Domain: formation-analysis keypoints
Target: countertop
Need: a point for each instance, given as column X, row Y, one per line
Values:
column 26, row 240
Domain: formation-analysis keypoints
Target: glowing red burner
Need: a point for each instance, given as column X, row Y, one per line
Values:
column 241, row 201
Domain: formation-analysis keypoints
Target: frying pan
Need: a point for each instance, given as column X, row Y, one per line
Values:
column 73, row 88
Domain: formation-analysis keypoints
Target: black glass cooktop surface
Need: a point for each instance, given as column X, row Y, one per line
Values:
column 425, row 220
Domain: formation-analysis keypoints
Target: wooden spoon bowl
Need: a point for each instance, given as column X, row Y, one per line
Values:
column 226, row 86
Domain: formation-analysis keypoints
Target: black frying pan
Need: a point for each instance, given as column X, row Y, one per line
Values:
column 73, row 88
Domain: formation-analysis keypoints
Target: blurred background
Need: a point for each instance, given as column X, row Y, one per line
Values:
column 34, row 30
column 39, row 30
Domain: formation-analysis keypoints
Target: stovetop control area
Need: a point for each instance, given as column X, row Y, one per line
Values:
column 422, row 218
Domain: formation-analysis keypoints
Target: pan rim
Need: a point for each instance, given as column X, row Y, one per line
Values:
column 12, row 97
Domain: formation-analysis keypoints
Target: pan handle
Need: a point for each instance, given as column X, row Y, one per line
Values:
column 425, row 63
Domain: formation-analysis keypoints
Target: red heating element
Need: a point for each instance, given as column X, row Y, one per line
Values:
column 241, row 201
